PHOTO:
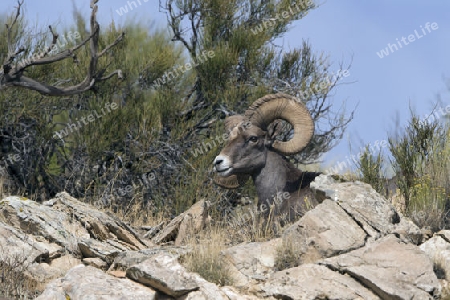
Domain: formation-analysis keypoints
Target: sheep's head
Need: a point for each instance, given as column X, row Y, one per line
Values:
column 251, row 136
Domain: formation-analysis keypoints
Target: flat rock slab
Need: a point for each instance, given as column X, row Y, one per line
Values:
column 64, row 221
column 371, row 210
column 438, row 250
column 249, row 261
column 185, row 224
column 163, row 272
column 42, row 221
column 390, row 268
column 127, row 259
column 325, row 231
column 90, row 283
column 312, row 281
column 26, row 248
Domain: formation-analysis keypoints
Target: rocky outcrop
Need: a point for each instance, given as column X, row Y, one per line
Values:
column 251, row 262
column 390, row 268
column 438, row 250
column 325, row 231
column 52, row 237
column 90, row 283
column 188, row 223
column 369, row 210
column 311, row 281
column 164, row 273
column 354, row 245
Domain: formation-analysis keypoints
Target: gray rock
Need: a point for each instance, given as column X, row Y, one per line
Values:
column 127, row 259
column 206, row 291
column 233, row 294
column 312, row 281
column 324, row 231
column 14, row 243
column 249, row 260
column 42, row 273
column 88, row 283
column 92, row 248
column 95, row 262
column 390, row 268
column 162, row 272
column 62, row 229
column 66, row 222
column 370, row 210
column 189, row 222
column 438, row 250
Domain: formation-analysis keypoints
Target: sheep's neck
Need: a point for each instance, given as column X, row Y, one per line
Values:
column 277, row 175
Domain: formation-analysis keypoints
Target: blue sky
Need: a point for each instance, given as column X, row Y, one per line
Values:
column 345, row 30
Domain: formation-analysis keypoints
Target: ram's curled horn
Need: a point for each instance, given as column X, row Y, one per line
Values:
column 282, row 106
column 232, row 181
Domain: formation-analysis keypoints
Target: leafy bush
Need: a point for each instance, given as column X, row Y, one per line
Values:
column 421, row 160
column 370, row 167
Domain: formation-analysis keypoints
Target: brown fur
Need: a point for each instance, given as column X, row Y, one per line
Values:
column 249, row 152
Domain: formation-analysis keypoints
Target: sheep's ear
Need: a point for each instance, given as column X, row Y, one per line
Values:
column 268, row 141
column 272, row 131
column 231, row 182
column 275, row 128
column 233, row 121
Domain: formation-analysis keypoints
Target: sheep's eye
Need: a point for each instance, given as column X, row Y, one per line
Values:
column 253, row 139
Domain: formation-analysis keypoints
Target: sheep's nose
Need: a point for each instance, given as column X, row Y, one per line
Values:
column 218, row 161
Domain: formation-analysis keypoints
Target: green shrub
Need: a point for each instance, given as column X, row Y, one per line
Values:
column 370, row 168
column 420, row 157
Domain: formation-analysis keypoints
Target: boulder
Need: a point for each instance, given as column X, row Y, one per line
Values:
column 96, row 263
column 438, row 250
column 310, row 281
column 206, row 291
column 371, row 211
column 187, row 223
column 390, row 268
column 65, row 221
column 42, row 273
column 251, row 261
column 233, row 294
column 325, row 231
column 162, row 272
column 87, row 283
column 15, row 244
column 50, row 238
column 127, row 259
column 39, row 261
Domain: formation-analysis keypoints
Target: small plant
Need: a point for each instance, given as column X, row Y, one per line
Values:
column 370, row 167
column 13, row 279
column 288, row 256
column 205, row 258
column 247, row 223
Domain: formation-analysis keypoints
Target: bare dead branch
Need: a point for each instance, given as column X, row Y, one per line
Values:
column 116, row 72
column 13, row 74
column 118, row 40
column 11, row 26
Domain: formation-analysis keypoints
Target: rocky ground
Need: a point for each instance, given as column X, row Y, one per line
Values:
column 354, row 245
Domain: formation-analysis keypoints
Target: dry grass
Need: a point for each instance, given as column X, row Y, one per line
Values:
column 205, row 258
column 245, row 224
column 137, row 215
column 439, row 268
column 445, row 293
column 13, row 276
column 288, row 256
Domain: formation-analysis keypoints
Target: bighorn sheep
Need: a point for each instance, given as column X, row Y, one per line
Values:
column 253, row 151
